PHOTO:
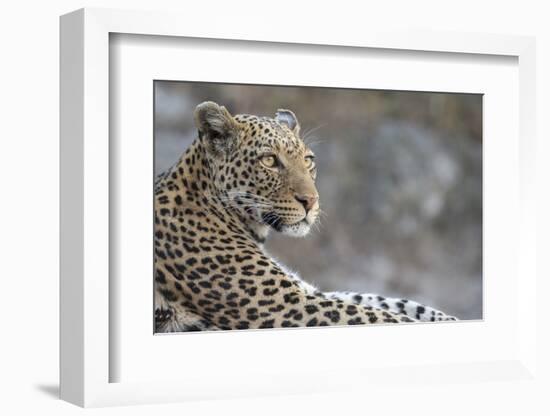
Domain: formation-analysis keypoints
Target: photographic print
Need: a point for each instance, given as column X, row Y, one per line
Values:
column 289, row 206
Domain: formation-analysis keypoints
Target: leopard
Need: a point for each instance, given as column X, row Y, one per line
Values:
column 242, row 178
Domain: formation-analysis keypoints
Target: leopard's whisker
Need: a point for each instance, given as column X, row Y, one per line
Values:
column 312, row 130
column 316, row 142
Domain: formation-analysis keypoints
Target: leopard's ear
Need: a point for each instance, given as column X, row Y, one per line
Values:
column 217, row 127
column 289, row 118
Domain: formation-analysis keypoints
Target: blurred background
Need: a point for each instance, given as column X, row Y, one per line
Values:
column 399, row 178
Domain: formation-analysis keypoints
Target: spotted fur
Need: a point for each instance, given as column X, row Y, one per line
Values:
column 242, row 177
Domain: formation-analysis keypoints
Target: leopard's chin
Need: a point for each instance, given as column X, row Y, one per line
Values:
column 299, row 229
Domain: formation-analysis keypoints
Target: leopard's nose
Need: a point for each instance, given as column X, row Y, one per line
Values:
column 307, row 201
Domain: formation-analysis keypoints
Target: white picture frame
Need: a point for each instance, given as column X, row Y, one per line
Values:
column 87, row 356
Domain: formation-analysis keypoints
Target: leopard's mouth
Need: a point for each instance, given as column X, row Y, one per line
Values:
column 297, row 229
column 272, row 219
column 276, row 222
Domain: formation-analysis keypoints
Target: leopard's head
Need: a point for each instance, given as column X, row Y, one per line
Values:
column 260, row 167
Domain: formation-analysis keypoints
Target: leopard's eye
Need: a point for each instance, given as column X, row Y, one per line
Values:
column 310, row 161
column 269, row 161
